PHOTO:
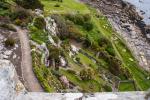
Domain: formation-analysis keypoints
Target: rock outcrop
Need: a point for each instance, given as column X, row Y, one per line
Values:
column 10, row 86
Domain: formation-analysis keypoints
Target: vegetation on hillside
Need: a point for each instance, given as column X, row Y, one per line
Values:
column 102, row 63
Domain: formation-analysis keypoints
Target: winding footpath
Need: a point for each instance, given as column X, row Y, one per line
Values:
column 30, row 81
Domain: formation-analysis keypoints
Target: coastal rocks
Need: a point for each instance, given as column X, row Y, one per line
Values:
column 4, row 52
column 63, row 61
column 51, row 40
column 39, row 12
column 9, row 83
column 74, row 49
column 147, row 31
column 65, row 81
column 51, row 25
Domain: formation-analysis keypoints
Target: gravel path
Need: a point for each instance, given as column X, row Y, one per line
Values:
column 31, row 83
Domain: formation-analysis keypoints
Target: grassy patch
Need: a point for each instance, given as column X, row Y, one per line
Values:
column 48, row 81
column 86, row 86
column 126, row 86
column 67, row 6
column 139, row 74
column 38, row 35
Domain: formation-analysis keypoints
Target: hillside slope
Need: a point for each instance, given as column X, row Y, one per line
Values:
column 75, row 49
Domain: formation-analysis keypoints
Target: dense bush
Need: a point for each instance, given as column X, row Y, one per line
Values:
column 4, row 8
column 9, row 42
column 29, row 4
column 107, row 45
column 54, row 54
column 8, row 26
column 56, row 5
column 86, row 74
column 21, row 16
column 88, row 26
column 79, row 19
column 4, row 5
column 107, row 88
column 19, row 13
column 67, row 29
column 110, row 50
column 18, row 22
column 62, row 27
column 103, row 42
column 114, row 65
column 71, row 71
column 40, row 23
column 74, row 32
column 87, row 42
column 87, row 17
column 90, row 43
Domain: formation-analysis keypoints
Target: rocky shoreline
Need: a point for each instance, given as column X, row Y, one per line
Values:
column 129, row 25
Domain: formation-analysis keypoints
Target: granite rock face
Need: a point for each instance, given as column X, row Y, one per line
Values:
column 10, row 86
column 12, row 89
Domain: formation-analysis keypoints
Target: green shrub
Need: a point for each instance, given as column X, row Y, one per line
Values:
column 87, row 17
column 40, row 23
column 78, row 59
column 114, row 66
column 70, row 17
column 4, row 8
column 18, row 22
column 79, row 19
column 74, row 33
column 71, row 71
column 56, row 5
column 110, row 50
column 107, row 88
column 56, row 73
column 8, row 26
column 86, row 74
column 62, row 27
column 103, row 42
column 4, row 5
column 28, row 4
column 9, row 42
column 54, row 53
column 88, row 26
column 19, row 14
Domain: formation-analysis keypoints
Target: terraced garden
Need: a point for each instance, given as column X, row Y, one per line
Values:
column 99, row 46
column 75, row 49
